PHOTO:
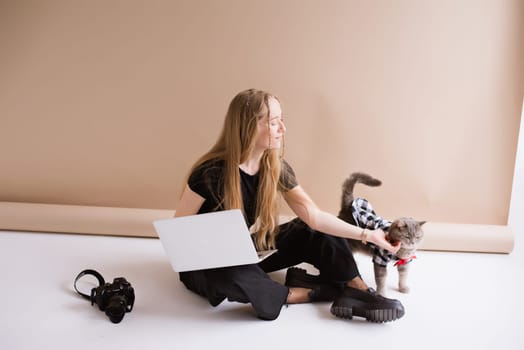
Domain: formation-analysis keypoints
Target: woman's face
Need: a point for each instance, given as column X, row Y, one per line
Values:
column 271, row 130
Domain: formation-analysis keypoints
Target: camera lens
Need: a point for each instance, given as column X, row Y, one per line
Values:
column 116, row 308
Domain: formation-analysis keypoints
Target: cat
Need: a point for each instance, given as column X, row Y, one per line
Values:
column 408, row 231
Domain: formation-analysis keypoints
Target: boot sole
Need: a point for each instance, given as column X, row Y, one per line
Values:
column 377, row 316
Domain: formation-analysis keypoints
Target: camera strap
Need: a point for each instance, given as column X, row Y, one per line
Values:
column 89, row 272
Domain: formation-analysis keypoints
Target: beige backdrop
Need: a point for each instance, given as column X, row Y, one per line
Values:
column 108, row 103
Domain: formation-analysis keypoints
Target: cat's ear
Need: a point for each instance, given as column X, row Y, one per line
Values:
column 420, row 223
column 401, row 223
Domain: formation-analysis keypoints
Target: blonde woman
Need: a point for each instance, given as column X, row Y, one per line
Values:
column 245, row 170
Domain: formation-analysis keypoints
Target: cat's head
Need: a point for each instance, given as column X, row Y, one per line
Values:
column 410, row 234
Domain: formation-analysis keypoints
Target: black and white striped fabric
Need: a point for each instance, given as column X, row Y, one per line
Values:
column 365, row 217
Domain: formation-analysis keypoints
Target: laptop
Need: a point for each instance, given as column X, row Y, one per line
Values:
column 204, row 241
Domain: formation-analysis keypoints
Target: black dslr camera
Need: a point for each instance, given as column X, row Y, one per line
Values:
column 115, row 298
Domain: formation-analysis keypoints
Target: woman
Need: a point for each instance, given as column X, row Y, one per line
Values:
column 245, row 170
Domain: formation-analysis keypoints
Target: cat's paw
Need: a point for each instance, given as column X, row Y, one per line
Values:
column 403, row 289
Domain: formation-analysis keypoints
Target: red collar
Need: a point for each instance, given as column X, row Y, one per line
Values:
column 405, row 261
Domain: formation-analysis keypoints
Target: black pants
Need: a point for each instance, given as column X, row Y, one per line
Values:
column 296, row 243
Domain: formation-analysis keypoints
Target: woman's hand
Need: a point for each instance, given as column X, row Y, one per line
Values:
column 378, row 237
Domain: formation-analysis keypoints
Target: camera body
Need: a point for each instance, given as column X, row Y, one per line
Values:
column 115, row 298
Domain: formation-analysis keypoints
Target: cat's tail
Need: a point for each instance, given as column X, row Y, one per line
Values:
column 349, row 185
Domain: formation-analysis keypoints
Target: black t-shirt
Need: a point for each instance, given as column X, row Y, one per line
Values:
column 207, row 180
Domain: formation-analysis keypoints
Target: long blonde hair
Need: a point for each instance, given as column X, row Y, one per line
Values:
column 234, row 146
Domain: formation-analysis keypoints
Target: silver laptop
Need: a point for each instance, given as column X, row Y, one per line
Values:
column 206, row 241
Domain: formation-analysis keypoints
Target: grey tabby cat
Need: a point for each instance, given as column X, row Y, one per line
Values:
column 406, row 230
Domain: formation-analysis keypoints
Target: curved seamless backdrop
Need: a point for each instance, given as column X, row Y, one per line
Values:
column 106, row 104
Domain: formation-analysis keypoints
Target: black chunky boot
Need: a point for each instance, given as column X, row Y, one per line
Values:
column 320, row 291
column 368, row 304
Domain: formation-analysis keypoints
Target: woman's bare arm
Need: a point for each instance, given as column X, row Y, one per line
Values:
column 319, row 220
column 189, row 203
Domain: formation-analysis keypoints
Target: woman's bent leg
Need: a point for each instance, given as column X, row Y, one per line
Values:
column 244, row 284
column 297, row 243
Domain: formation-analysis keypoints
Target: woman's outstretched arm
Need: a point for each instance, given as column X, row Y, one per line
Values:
column 304, row 207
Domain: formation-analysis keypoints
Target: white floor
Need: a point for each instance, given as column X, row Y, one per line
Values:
column 458, row 300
